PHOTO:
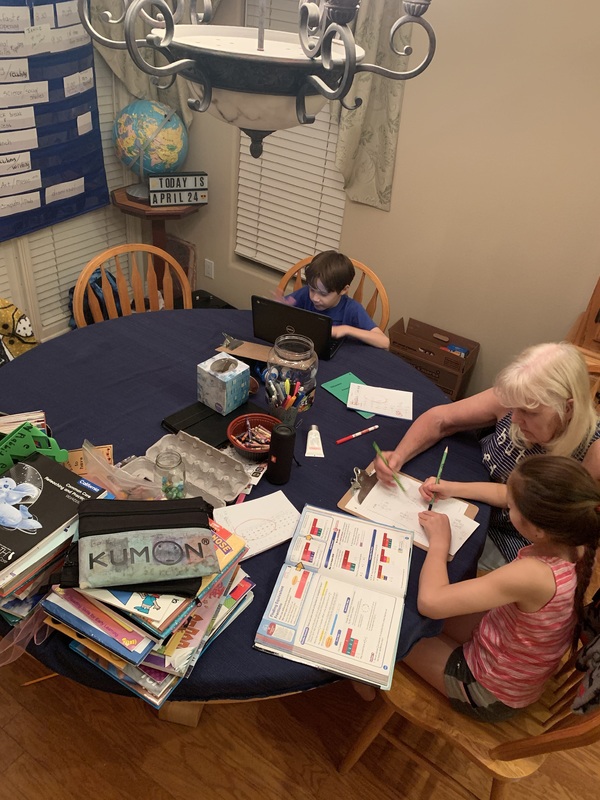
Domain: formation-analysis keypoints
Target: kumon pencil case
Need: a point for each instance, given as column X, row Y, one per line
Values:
column 158, row 546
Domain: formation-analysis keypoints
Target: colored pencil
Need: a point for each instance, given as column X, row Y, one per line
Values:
column 385, row 461
column 439, row 475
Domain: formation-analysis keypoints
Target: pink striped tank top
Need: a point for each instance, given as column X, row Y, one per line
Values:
column 512, row 652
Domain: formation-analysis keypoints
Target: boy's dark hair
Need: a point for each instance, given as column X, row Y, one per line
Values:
column 333, row 269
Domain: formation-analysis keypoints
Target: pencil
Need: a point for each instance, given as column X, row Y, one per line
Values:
column 439, row 475
column 385, row 461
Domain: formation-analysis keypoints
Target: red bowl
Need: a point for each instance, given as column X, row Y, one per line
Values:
column 238, row 427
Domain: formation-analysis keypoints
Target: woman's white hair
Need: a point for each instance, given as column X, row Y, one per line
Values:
column 550, row 375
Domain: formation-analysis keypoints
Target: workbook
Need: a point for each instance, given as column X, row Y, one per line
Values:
column 339, row 598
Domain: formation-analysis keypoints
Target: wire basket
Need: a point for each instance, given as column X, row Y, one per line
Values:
column 255, row 449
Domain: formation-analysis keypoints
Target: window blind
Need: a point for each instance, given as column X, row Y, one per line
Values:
column 290, row 201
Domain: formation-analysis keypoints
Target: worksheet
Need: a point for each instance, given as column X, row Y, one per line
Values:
column 388, row 402
column 392, row 506
column 262, row 523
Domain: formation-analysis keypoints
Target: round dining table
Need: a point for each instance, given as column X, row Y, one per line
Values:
column 113, row 382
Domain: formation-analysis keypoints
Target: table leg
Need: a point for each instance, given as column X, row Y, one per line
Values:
column 159, row 239
column 183, row 713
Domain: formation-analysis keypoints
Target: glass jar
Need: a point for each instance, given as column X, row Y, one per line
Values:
column 169, row 472
column 291, row 376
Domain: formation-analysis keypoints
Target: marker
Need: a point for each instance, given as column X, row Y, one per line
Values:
column 385, row 461
column 439, row 474
column 358, row 433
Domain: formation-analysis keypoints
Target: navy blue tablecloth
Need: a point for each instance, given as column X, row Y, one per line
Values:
column 114, row 382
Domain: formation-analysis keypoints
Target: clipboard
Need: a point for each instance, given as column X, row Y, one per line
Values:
column 365, row 480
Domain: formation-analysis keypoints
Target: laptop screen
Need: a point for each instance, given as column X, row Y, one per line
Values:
column 271, row 319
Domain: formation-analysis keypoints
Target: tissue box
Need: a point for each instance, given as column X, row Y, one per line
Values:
column 223, row 383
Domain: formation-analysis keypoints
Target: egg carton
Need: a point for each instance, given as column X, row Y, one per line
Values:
column 209, row 473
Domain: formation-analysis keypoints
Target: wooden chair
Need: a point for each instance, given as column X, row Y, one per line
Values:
column 506, row 751
column 374, row 287
column 142, row 272
column 586, row 330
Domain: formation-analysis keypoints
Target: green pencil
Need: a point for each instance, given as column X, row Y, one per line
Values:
column 439, row 475
column 385, row 461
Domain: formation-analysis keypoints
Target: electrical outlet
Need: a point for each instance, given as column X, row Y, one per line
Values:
column 209, row 268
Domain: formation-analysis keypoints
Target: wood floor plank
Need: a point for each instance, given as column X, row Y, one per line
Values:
column 58, row 738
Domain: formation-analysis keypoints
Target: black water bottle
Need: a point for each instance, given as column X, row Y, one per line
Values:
column 281, row 453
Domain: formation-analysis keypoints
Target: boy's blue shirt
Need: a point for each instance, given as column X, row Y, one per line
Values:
column 347, row 312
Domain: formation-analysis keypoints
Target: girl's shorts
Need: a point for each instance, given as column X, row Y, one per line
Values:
column 470, row 697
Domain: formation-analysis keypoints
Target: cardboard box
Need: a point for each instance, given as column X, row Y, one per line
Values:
column 223, row 386
column 429, row 349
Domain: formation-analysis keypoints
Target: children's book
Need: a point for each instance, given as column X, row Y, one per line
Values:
column 121, row 675
column 38, row 499
column 339, row 598
column 79, row 613
column 162, row 614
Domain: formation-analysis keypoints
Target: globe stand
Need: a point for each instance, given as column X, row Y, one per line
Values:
column 139, row 191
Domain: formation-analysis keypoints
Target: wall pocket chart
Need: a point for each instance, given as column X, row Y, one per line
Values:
column 51, row 164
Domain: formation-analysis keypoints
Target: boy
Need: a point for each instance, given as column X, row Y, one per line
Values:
column 328, row 279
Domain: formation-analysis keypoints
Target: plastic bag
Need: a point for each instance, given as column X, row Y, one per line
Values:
column 115, row 480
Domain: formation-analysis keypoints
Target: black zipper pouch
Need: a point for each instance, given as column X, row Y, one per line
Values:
column 119, row 516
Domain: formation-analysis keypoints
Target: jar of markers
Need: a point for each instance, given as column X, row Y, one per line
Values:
column 291, row 376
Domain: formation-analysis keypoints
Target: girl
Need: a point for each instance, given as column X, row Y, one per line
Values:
column 511, row 627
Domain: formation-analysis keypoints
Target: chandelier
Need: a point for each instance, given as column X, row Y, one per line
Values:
column 258, row 80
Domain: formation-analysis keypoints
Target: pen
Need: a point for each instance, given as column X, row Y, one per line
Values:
column 358, row 433
column 385, row 461
column 439, row 474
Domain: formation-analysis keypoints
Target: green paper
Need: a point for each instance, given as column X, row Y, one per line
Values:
column 340, row 388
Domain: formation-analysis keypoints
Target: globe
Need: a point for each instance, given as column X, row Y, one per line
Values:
column 149, row 137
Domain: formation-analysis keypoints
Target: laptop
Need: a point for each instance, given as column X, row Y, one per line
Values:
column 271, row 319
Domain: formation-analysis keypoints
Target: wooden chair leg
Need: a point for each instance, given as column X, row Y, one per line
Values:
column 183, row 713
column 500, row 789
column 366, row 737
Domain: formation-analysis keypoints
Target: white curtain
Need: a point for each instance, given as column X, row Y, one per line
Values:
column 368, row 136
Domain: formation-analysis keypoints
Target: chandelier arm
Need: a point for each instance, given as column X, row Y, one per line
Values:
column 205, row 16
column 311, row 28
column 325, row 48
column 201, row 105
column 154, row 41
column 406, row 51
column 84, row 16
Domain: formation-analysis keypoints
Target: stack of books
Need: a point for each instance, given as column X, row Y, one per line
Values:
column 39, row 500
column 150, row 642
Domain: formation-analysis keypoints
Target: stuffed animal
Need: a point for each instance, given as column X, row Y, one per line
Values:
column 16, row 333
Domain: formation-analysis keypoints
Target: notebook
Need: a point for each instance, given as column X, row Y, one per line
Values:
column 271, row 319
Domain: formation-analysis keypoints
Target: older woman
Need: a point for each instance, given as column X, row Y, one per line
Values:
column 540, row 403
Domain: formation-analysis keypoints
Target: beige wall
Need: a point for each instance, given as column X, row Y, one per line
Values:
column 493, row 229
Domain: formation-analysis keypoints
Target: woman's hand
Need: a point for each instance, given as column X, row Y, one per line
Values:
column 437, row 529
column 384, row 472
column 430, row 490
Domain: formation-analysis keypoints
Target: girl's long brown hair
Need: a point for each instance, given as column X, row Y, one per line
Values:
column 559, row 496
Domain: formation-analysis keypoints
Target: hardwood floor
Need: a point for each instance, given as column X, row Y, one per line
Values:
column 60, row 740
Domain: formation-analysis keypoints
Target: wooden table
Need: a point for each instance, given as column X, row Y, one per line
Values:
column 157, row 216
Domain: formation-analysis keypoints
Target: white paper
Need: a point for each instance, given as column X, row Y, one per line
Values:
column 388, row 402
column 84, row 123
column 25, row 182
column 13, row 70
column 15, row 162
column 19, row 204
column 14, row 19
column 22, row 94
column 62, row 191
column 393, row 506
column 12, row 141
column 14, row 119
column 262, row 523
